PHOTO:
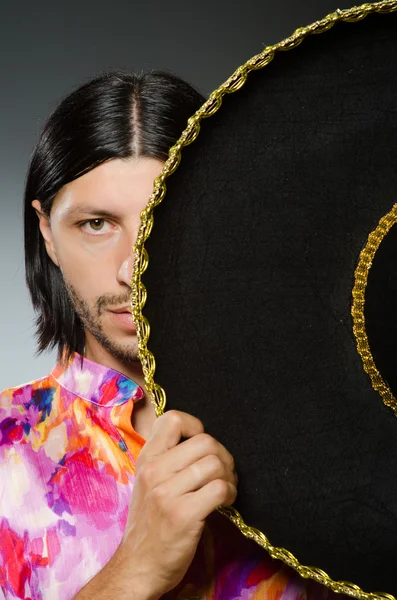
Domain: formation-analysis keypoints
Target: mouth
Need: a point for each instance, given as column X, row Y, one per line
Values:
column 118, row 311
column 123, row 316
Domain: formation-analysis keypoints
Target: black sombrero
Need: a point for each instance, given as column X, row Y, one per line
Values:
column 272, row 293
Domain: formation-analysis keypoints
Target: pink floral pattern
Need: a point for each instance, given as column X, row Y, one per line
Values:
column 67, row 463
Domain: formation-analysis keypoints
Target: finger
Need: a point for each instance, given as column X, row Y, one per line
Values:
column 193, row 450
column 168, row 431
column 196, row 476
column 198, row 505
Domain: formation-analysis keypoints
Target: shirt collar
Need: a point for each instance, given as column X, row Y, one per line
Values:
column 96, row 383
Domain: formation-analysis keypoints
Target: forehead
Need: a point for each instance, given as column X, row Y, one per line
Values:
column 117, row 185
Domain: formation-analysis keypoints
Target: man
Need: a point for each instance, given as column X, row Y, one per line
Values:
column 81, row 516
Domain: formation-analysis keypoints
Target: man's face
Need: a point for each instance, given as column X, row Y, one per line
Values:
column 93, row 226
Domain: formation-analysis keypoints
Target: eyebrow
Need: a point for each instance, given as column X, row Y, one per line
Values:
column 87, row 211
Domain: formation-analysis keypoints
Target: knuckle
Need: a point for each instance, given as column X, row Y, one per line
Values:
column 220, row 490
column 232, row 463
column 200, row 425
column 159, row 494
column 214, row 463
column 233, row 495
column 146, row 473
column 173, row 419
column 176, row 517
column 140, row 460
column 234, row 476
column 208, row 443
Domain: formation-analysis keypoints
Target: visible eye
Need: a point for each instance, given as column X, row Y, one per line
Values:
column 95, row 226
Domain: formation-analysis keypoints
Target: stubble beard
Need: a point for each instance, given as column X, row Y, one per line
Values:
column 91, row 319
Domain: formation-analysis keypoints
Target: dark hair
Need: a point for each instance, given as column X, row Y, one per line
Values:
column 115, row 115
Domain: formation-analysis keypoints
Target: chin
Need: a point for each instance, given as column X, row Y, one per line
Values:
column 125, row 351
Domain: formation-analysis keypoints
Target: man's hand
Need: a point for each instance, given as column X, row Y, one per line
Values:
column 177, row 486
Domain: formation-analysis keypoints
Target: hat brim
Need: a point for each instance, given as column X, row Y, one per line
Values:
column 323, row 327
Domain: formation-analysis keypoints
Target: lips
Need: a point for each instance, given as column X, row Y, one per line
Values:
column 125, row 309
column 123, row 317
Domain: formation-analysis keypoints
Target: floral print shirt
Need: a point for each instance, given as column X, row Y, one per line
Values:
column 67, row 462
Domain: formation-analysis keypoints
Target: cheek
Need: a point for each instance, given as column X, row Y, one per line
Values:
column 91, row 273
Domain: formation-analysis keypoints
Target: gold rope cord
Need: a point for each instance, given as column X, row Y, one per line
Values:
column 138, row 291
column 367, row 255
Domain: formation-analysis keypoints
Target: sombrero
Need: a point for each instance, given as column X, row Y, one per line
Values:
column 265, row 293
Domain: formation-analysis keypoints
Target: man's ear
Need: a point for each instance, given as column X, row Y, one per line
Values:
column 45, row 229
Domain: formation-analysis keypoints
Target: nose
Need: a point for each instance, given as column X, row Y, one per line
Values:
column 125, row 271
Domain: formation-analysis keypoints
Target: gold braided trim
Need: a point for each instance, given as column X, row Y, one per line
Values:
column 138, row 291
column 361, row 273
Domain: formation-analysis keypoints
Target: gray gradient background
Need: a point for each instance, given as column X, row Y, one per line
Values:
column 48, row 48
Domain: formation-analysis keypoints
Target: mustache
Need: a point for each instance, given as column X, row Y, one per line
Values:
column 111, row 300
